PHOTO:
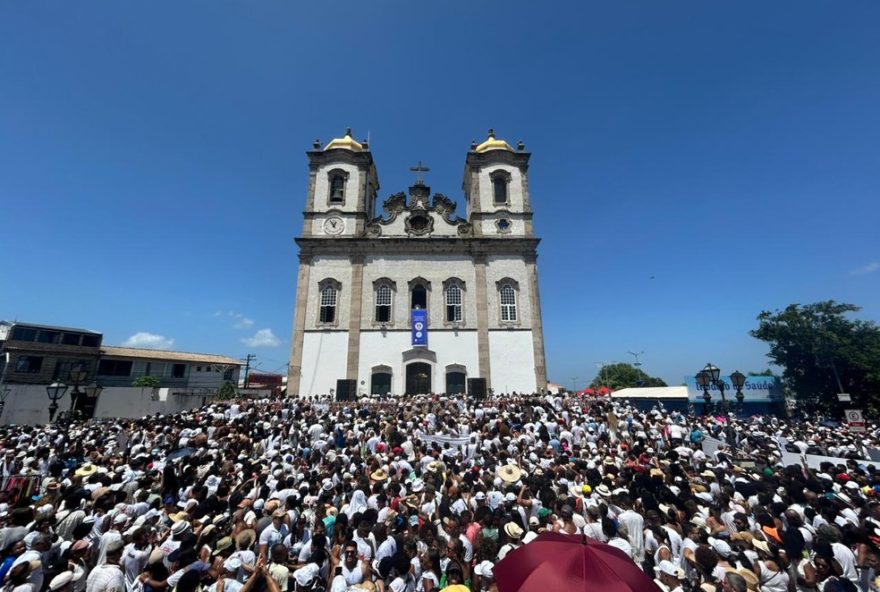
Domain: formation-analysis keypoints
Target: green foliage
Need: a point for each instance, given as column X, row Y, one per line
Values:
column 622, row 375
column 146, row 381
column 812, row 342
column 227, row 391
column 767, row 372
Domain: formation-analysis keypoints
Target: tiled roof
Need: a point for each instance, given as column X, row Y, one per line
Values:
column 161, row 354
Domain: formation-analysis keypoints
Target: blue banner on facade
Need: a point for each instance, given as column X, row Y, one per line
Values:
column 420, row 327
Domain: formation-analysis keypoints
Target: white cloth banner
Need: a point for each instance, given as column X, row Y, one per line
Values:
column 814, row 460
column 441, row 439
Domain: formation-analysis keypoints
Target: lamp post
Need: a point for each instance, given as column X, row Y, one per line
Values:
column 55, row 391
column 703, row 381
column 77, row 377
column 738, row 379
column 92, row 393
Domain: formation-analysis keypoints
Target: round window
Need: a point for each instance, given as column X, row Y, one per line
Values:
column 503, row 224
column 418, row 223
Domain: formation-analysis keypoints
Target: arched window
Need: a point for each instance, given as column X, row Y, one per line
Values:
column 337, row 186
column 508, row 303
column 383, row 303
column 500, row 182
column 329, row 292
column 453, row 304
column 453, row 289
column 419, row 297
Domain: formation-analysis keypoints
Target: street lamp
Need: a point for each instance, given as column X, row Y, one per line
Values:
column 55, row 391
column 92, row 393
column 715, row 377
column 77, row 377
column 738, row 379
column 703, row 381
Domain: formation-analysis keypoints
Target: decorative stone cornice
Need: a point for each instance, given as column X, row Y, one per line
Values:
column 471, row 246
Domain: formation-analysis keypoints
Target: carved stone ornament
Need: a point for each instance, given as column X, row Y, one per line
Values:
column 395, row 204
column 443, row 205
column 419, row 223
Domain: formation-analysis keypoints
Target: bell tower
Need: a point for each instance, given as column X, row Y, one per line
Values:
column 496, row 189
column 342, row 188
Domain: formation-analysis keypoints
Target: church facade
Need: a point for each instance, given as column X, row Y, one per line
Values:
column 403, row 295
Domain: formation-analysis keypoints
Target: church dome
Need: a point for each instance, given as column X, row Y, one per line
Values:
column 345, row 143
column 492, row 143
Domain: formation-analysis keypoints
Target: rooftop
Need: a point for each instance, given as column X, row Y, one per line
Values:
column 161, row 354
column 48, row 327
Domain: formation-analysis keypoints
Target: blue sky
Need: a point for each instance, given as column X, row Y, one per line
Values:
column 693, row 162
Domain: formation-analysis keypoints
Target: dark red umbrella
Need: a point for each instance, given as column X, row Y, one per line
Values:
column 556, row 562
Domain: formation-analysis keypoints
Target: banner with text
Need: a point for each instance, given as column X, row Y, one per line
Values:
column 420, row 327
column 757, row 389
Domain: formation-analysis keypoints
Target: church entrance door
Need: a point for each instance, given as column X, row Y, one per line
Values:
column 418, row 378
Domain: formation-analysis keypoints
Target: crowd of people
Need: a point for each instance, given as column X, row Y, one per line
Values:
column 429, row 493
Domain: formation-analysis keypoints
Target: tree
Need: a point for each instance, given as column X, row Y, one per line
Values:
column 227, row 391
column 622, row 375
column 767, row 372
column 822, row 352
column 146, row 381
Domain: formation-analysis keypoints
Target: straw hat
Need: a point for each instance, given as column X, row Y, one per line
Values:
column 379, row 475
column 87, row 470
column 510, row 473
column 513, row 530
column 761, row 546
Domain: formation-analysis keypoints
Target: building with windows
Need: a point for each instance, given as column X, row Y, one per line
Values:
column 42, row 354
column 120, row 366
column 403, row 295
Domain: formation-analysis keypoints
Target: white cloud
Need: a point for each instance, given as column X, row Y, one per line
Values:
column 262, row 338
column 240, row 321
column 866, row 269
column 148, row 340
column 243, row 323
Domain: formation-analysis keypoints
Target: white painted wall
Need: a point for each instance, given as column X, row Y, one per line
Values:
column 324, row 360
column 512, row 359
column 28, row 404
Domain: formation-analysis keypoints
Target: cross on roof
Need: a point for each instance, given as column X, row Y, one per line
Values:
column 418, row 170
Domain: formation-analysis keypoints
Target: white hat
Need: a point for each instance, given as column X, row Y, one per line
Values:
column 721, row 547
column 484, row 569
column 63, row 579
column 233, row 564
column 670, row 569
column 305, row 575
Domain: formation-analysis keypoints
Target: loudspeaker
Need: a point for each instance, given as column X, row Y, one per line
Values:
column 477, row 388
column 346, row 390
